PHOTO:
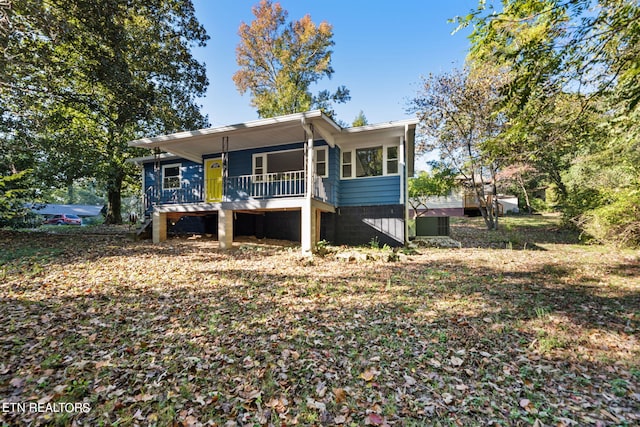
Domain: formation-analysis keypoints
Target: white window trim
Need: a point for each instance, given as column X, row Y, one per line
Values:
column 342, row 164
column 264, row 156
column 384, row 160
column 326, row 161
column 172, row 165
column 264, row 164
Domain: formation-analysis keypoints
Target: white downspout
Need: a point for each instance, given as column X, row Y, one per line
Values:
column 404, row 183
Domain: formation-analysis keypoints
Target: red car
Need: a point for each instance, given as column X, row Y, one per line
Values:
column 64, row 220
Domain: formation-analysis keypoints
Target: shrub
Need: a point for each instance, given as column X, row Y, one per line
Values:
column 617, row 222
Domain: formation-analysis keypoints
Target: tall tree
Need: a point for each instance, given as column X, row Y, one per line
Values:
column 279, row 62
column 93, row 75
column 457, row 118
column 574, row 95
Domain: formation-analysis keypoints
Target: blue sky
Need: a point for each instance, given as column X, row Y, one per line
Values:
column 381, row 50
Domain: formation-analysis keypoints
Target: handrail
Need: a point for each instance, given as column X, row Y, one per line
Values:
column 278, row 184
column 242, row 187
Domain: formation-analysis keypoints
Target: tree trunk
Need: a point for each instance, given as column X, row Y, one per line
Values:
column 486, row 209
column 71, row 196
column 526, row 194
column 494, row 199
column 114, row 200
column 562, row 189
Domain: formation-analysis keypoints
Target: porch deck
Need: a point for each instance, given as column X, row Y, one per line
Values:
column 266, row 191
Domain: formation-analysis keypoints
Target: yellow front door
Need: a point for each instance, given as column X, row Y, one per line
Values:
column 213, row 180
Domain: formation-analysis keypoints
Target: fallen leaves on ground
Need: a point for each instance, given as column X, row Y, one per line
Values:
column 184, row 334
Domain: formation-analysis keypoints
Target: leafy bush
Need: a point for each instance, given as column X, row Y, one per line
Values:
column 617, row 222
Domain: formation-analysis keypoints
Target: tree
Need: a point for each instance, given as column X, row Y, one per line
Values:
column 572, row 103
column 279, row 62
column 360, row 120
column 86, row 77
column 516, row 178
column 457, row 117
column 14, row 192
column 440, row 181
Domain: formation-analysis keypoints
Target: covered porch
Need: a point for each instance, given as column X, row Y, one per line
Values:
column 288, row 180
column 292, row 184
column 308, row 225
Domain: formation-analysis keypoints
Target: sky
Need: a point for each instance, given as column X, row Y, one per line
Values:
column 381, row 50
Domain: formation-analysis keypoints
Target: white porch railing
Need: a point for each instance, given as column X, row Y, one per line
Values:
column 244, row 187
column 279, row 184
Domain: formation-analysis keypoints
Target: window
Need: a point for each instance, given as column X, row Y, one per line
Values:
column 277, row 163
column 171, row 177
column 392, row 160
column 285, row 161
column 258, row 164
column 369, row 161
column 346, row 164
column 321, row 162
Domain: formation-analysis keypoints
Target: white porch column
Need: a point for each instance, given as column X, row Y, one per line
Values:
column 404, row 185
column 308, row 228
column 159, row 229
column 307, row 214
column 225, row 229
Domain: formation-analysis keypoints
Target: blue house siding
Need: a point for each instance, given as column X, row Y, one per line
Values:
column 191, row 182
column 332, row 182
column 191, row 172
column 240, row 162
column 371, row 191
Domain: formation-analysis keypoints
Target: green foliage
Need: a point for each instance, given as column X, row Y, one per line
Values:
column 440, row 181
column 279, row 61
column 82, row 192
column 14, row 191
column 459, row 117
column 617, row 221
column 570, row 103
column 83, row 78
column 360, row 120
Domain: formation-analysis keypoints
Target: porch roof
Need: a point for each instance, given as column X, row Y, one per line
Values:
column 193, row 145
column 280, row 130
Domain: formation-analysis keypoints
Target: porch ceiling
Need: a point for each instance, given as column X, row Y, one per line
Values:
column 260, row 133
column 278, row 131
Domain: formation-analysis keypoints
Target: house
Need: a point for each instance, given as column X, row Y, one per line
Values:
column 298, row 177
column 438, row 206
column 50, row 209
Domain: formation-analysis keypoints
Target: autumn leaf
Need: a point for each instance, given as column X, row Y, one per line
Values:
column 17, row 382
column 447, row 398
column 456, row 361
column 340, row 419
column 369, row 374
column 409, row 380
column 144, row 397
column 103, row 364
column 374, row 420
column 340, row 395
column 278, row 404
column 435, row 363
